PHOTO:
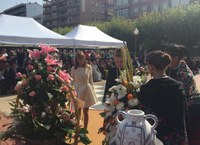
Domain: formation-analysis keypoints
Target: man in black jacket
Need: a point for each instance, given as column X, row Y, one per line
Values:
column 113, row 73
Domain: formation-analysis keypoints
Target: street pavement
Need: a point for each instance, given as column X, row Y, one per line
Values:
column 99, row 90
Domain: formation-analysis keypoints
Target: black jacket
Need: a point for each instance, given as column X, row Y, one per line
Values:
column 164, row 98
column 113, row 73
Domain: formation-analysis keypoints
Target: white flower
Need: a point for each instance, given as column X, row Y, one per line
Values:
column 120, row 106
column 137, row 82
column 50, row 96
column 47, row 127
column 112, row 89
column 133, row 102
column 43, row 114
column 121, row 91
column 26, row 108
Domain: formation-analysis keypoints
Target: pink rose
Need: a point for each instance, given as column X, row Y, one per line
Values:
column 49, row 68
column 30, row 67
column 38, row 77
column 51, row 77
column 19, row 75
column 32, row 93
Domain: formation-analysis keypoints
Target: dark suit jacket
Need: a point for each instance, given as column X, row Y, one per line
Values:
column 113, row 73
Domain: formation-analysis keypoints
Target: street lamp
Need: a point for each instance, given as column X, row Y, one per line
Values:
column 136, row 32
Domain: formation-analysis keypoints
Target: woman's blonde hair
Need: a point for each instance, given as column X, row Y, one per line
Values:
column 79, row 55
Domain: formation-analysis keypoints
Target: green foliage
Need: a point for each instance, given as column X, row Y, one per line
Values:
column 175, row 25
column 63, row 30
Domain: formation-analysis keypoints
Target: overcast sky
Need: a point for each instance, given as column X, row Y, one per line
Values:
column 5, row 4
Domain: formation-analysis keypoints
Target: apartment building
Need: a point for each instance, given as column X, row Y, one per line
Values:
column 60, row 13
column 33, row 10
column 134, row 8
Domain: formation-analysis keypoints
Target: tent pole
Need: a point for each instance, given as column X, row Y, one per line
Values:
column 74, row 54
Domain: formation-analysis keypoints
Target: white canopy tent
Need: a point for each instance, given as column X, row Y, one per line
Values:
column 23, row 31
column 91, row 37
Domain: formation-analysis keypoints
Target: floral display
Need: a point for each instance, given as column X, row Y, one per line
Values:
column 42, row 110
column 122, row 97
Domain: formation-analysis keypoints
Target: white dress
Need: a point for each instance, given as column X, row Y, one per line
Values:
column 83, row 83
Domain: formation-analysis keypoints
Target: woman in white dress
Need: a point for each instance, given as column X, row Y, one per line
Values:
column 83, row 81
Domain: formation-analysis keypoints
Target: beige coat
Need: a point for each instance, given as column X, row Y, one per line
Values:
column 83, row 83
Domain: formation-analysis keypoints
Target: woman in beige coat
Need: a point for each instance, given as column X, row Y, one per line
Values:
column 83, row 81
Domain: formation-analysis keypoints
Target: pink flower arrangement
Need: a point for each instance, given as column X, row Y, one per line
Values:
column 44, row 111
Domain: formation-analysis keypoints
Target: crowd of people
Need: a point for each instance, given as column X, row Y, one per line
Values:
column 13, row 60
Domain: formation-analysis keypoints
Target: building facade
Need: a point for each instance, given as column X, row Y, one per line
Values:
column 33, row 10
column 134, row 8
column 60, row 13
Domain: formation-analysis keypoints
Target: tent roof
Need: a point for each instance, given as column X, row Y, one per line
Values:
column 92, row 37
column 23, row 31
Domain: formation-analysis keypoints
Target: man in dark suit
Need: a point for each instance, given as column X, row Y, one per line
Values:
column 113, row 73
